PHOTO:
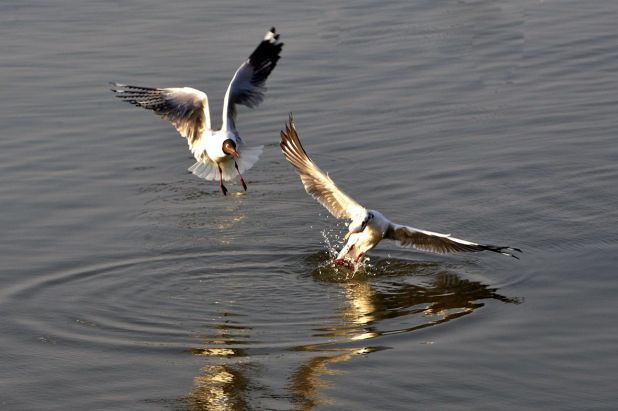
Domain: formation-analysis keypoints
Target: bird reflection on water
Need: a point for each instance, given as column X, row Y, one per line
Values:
column 388, row 288
column 222, row 385
column 387, row 297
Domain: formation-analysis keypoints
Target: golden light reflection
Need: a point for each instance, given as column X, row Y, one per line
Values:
column 374, row 305
column 360, row 303
column 221, row 386
column 307, row 382
column 213, row 352
column 371, row 304
column 218, row 388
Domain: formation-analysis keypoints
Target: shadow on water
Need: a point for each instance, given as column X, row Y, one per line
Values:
column 386, row 297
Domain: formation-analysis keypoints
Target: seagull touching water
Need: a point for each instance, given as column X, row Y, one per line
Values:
column 368, row 227
column 219, row 154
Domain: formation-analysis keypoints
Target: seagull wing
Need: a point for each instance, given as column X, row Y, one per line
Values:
column 317, row 184
column 186, row 108
column 439, row 243
column 248, row 84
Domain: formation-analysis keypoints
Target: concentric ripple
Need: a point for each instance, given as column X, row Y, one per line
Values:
column 155, row 301
column 235, row 310
column 359, row 311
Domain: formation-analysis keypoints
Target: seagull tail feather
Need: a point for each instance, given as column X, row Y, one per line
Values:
column 248, row 157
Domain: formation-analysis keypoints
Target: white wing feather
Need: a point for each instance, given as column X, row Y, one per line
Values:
column 439, row 243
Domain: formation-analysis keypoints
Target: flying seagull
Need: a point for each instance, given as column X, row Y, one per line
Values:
column 368, row 227
column 218, row 153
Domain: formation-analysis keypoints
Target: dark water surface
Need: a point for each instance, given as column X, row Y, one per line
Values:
column 128, row 283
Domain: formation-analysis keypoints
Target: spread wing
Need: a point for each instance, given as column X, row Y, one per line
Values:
column 317, row 184
column 439, row 243
column 248, row 84
column 186, row 108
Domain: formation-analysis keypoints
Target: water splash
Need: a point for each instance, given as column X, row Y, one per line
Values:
column 333, row 238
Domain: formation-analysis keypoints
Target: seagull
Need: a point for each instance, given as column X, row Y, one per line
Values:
column 218, row 152
column 367, row 227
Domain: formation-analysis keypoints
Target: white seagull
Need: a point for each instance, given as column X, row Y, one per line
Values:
column 368, row 227
column 218, row 152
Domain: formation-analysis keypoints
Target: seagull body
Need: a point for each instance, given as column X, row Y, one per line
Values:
column 220, row 154
column 367, row 227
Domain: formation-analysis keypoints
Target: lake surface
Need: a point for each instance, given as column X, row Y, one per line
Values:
column 128, row 283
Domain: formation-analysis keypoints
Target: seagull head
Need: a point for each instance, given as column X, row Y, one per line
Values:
column 229, row 148
column 359, row 224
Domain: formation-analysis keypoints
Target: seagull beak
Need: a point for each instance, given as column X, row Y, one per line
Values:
column 347, row 235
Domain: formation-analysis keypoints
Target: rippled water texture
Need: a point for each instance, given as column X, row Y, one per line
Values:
column 128, row 283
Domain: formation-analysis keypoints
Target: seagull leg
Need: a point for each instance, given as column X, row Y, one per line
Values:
column 341, row 259
column 242, row 180
column 344, row 262
column 360, row 257
column 223, row 189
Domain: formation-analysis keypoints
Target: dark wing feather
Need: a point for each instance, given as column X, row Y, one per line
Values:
column 248, row 84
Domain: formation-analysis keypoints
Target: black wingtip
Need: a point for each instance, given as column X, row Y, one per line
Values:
column 503, row 250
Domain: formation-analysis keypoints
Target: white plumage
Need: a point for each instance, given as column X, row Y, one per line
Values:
column 220, row 154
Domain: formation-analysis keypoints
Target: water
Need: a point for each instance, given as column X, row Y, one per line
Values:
column 127, row 283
